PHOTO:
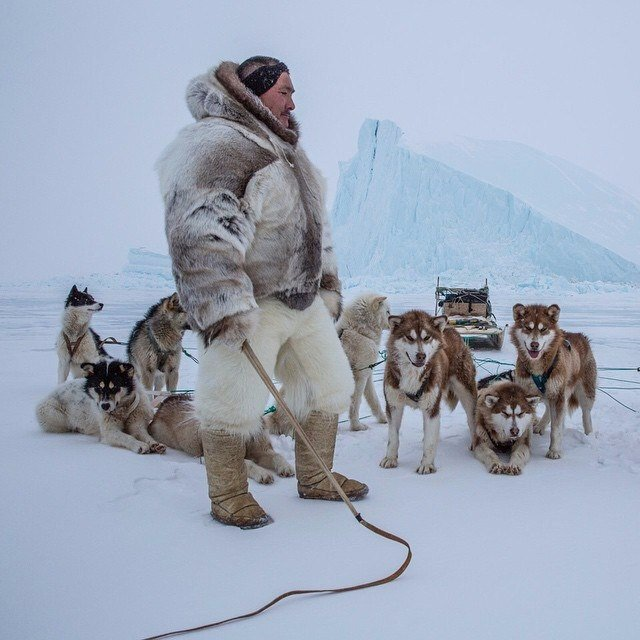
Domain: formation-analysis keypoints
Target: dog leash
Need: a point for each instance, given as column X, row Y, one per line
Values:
column 257, row 365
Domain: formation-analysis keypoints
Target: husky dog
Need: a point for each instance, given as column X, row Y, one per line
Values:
column 109, row 403
column 557, row 365
column 176, row 425
column 155, row 344
column 360, row 328
column 77, row 342
column 505, row 416
column 426, row 361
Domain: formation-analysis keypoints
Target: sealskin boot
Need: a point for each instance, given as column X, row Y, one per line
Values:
column 321, row 429
column 231, row 503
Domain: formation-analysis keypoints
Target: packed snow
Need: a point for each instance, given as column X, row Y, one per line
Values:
column 401, row 216
column 102, row 543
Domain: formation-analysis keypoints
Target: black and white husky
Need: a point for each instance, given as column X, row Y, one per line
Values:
column 77, row 342
column 110, row 403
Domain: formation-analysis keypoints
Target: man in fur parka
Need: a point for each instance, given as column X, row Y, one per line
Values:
column 252, row 259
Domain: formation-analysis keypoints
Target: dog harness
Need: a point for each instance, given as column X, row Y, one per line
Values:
column 72, row 347
column 541, row 380
column 418, row 394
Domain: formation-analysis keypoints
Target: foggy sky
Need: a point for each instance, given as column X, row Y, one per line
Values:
column 92, row 92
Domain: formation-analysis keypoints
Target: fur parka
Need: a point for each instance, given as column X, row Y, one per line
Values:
column 245, row 214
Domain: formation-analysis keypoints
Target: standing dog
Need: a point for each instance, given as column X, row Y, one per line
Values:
column 505, row 416
column 155, row 344
column 557, row 365
column 360, row 328
column 77, row 342
column 109, row 403
column 426, row 361
column 176, row 425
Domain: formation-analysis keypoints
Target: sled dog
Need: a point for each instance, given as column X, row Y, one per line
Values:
column 360, row 328
column 77, row 342
column 109, row 403
column 155, row 344
column 555, row 364
column 426, row 362
column 505, row 416
column 177, row 426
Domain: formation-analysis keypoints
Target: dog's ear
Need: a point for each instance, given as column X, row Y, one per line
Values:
column 88, row 368
column 85, row 290
column 74, row 289
column 533, row 400
column 440, row 322
column 174, row 302
column 128, row 368
column 490, row 401
column 379, row 299
column 518, row 311
column 394, row 321
column 553, row 311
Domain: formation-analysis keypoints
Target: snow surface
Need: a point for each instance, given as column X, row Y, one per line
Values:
column 401, row 215
column 100, row 543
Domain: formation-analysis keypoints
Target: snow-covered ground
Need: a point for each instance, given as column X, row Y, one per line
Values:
column 100, row 543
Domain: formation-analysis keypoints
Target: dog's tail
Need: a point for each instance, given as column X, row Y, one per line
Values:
column 573, row 402
column 51, row 416
column 451, row 399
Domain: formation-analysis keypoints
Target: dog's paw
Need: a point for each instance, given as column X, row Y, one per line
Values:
column 358, row 426
column 381, row 418
column 497, row 468
column 553, row 455
column 539, row 429
column 285, row 470
column 389, row 462
column 425, row 468
column 262, row 476
column 143, row 447
column 156, row 447
column 512, row 470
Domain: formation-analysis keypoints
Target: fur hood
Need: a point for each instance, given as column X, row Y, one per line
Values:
column 221, row 93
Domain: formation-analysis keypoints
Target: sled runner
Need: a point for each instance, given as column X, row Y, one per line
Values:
column 469, row 313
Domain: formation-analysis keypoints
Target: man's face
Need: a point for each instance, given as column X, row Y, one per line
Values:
column 279, row 99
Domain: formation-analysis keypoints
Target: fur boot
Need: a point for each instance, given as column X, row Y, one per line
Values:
column 321, row 429
column 231, row 502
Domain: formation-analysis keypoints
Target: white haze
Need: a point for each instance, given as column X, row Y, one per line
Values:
column 91, row 92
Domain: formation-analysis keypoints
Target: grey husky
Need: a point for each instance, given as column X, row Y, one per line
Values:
column 155, row 344
column 77, row 342
column 108, row 403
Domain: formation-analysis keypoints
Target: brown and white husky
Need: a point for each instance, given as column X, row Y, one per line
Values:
column 557, row 365
column 505, row 417
column 426, row 362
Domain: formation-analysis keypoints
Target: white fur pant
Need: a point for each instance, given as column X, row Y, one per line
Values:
column 301, row 348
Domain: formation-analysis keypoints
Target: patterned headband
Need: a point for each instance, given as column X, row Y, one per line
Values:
column 263, row 78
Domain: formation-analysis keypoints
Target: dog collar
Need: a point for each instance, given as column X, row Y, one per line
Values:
column 541, row 380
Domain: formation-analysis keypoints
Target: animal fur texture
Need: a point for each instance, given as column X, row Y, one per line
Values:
column 245, row 213
column 155, row 344
column 561, row 362
column 109, row 403
column 360, row 328
column 77, row 342
column 505, row 416
column 177, row 426
column 426, row 362
column 299, row 348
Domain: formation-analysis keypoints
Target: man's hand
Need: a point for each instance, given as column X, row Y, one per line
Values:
column 232, row 330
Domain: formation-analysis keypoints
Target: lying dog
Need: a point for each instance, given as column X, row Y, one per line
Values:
column 505, row 417
column 555, row 364
column 77, row 342
column 176, row 425
column 155, row 344
column 426, row 361
column 109, row 403
column 360, row 328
